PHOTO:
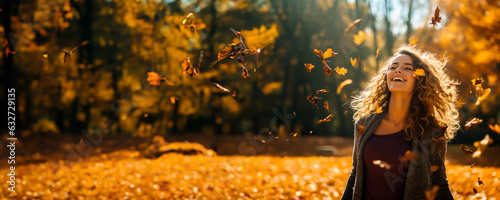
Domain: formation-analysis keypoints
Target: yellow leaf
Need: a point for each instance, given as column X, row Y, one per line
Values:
column 341, row 71
column 353, row 61
column 379, row 109
column 495, row 128
column 481, row 145
column 377, row 53
column 359, row 38
column 481, row 98
column 308, row 67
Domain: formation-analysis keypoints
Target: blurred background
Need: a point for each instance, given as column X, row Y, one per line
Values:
column 82, row 65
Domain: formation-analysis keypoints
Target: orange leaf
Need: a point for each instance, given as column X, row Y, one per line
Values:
column 359, row 38
column 409, row 155
column 341, row 71
column 413, row 41
column 419, row 72
column 379, row 109
column 361, row 130
column 353, row 61
column 327, row 119
column 325, row 104
column 434, row 168
column 329, row 53
column 495, row 128
column 436, row 18
column 321, row 91
column 345, row 112
column 173, row 100
column 431, row 194
column 482, row 97
column 308, row 67
column 344, row 83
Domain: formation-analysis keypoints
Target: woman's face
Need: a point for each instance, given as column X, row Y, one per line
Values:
column 400, row 77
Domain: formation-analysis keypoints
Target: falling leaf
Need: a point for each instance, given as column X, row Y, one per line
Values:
column 359, row 59
column 146, row 115
column 233, row 50
column 479, row 181
column 377, row 53
column 466, row 149
column 382, row 164
column 312, row 99
column 310, row 132
column 329, row 53
column 188, row 67
column 343, row 96
column 341, row 71
column 477, row 82
column 325, row 105
column 319, row 53
column 356, row 22
column 244, row 72
column 327, row 119
column 413, row 41
column 353, row 61
column 431, row 194
column 361, row 130
column 234, row 94
column 328, row 70
column 419, row 72
column 475, row 191
column 409, row 155
column 472, row 165
column 321, row 91
column 473, row 123
column 45, row 55
column 341, row 85
column 495, row 128
column 173, row 100
column 294, row 113
column 155, row 79
column 436, row 18
column 345, row 113
column 379, row 109
column 222, row 88
column 308, row 67
column 434, row 168
column 481, row 146
column 192, row 23
column 359, row 38
column 67, row 54
column 482, row 97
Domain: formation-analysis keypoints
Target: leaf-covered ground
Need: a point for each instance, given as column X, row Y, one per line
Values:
column 124, row 175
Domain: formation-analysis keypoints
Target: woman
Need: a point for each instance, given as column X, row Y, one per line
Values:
column 403, row 119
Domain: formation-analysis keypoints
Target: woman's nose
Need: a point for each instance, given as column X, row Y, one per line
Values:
column 398, row 70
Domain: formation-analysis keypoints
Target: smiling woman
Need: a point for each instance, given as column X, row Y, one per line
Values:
column 409, row 136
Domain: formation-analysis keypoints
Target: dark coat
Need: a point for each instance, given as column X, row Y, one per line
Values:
column 419, row 177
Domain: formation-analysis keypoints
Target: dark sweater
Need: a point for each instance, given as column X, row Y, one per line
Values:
column 385, row 182
column 419, row 178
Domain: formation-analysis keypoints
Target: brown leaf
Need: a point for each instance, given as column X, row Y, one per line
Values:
column 188, row 68
column 475, row 191
column 328, row 70
column 356, row 22
column 319, row 53
column 327, row 119
column 466, row 149
column 436, row 18
column 308, row 67
column 345, row 112
column 479, row 181
column 155, row 79
column 409, row 155
column 472, row 123
column 312, row 99
column 321, row 91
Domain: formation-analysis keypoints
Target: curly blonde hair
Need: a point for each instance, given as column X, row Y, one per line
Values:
column 433, row 102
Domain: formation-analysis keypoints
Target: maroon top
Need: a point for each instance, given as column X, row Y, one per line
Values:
column 383, row 183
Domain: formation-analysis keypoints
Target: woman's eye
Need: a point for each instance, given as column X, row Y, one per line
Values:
column 409, row 69
column 393, row 68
